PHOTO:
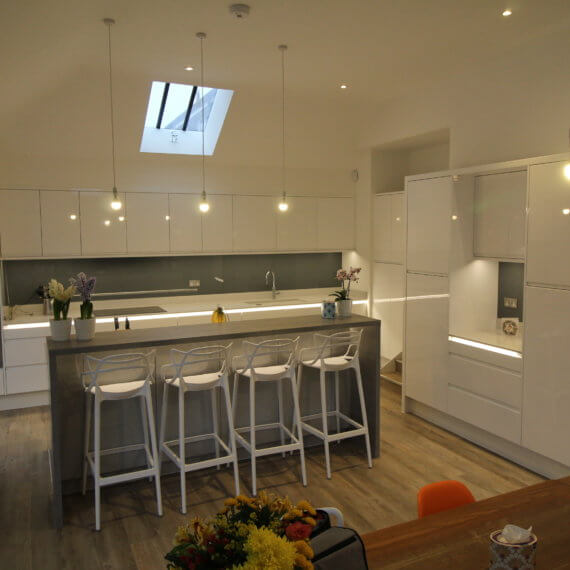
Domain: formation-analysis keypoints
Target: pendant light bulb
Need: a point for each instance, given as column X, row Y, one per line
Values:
column 283, row 206
column 204, row 205
column 567, row 171
column 116, row 204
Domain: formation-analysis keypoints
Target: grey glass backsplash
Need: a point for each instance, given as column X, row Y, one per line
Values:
column 240, row 273
column 511, row 284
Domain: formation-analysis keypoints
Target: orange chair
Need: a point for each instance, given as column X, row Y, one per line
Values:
column 441, row 496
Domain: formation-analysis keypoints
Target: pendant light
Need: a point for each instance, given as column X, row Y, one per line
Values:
column 116, row 203
column 204, row 205
column 283, row 205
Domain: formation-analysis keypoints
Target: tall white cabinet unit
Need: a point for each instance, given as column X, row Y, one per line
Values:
column 388, row 228
column 20, row 226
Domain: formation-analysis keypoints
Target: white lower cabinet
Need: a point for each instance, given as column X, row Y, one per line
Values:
column 21, row 379
column 388, row 306
column 26, row 365
column 427, row 329
column 546, row 402
column 486, row 396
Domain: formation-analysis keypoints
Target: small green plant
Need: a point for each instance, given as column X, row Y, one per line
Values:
column 348, row 277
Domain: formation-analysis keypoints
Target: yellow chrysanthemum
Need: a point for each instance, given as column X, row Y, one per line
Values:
column 303, row 548
column 306, row 506
column 183, row 534
column 230, row 502
column 293, row 514
column 267, row 551
column 302, row 562
column 309, row 520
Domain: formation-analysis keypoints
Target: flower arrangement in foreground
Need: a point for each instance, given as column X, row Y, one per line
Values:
column 61, row 298
column 85, row 287
column 348, row 277
column 251, row 533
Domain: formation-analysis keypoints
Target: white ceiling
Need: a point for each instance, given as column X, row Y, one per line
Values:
column 380, row 48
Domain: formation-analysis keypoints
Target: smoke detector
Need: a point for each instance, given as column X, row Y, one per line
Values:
column 239, row 11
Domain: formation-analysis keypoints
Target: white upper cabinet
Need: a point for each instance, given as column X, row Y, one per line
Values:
column 499, row 223
column 429, row 219
column 426, row 349
column 548, row 242
column 217, row 224
column 185, row 223
column 20, row 230
column 148, row 223
column 335, row 223
column 102, row 231
column 60, row 223
column 254, row 223
column 297, row 228
column 546, row 399
column 388, row 228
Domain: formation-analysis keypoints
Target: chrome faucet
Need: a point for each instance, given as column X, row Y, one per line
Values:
column 274, row 291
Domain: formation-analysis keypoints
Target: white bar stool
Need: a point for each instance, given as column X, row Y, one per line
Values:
column 334, row 353
column 191, row 371
column 281, row 353
column 118, row 377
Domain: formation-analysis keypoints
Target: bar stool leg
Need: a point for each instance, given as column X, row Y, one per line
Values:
column 235, row 396
column 363, row 411
column 97, row 461
column 226, row 389
column 86, row 437
column 182, row 449
column 215, row 423
column 325, row 423
column 337, row 400
column 280, row 404
column 154, row 450
column 144, row 422
column 297, row 424
column 252, row 435
column 162, row 428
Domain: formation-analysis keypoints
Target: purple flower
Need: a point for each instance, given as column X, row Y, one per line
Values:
column 84, row 285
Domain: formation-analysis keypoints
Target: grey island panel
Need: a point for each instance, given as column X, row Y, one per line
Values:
column 67, row 405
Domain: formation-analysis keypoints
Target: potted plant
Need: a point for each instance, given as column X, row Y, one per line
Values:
column 343, row 300
column 60, row 325
column 85, row 325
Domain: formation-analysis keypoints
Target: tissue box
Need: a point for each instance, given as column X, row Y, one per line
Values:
column 515, row 556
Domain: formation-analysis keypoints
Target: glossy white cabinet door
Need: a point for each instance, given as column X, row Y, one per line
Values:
column 382, row 227
column 185, row 223
column 20, row 229
column 102, row 233
column 397, row 227
column 388, row 306
column 548, row 226
column 336, row 223
column 148, row 223
column 255, row 223
column 546, row 387
column 429, row 218
column 297, row 227
column 426, row 349
column 60, row 223
column 217, row 224
column 500, row 206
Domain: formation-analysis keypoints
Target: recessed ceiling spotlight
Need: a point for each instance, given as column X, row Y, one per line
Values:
column 121, row 218
column 507, row 12
column 189, row 68
column 107, row 222
column 566, row 211
column 73, row 217
column 343, row 86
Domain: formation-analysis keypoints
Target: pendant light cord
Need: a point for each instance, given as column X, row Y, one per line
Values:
column 283, row 48
column 202, row 35
column 109, row 22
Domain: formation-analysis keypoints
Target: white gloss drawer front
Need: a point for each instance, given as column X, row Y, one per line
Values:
column 498, row 384
column 20, row 379
column 25, row 351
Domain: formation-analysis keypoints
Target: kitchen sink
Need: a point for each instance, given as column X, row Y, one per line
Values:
column 128, row 311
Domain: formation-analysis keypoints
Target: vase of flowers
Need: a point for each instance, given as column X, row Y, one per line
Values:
column 342, row 296
column 249, row 533
column 60, row 325
column 85, row 325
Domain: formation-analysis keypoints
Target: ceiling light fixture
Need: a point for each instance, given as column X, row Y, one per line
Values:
column 283, row 205
column 189, row 68
column 507, row 12
column 566, row 211
column 121, row 218
column 116, row 203
column 344, row 86
column 73, row 217
column 567, row 171
column 204, row 205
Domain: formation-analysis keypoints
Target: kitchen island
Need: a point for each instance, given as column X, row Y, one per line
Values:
column 121, row 424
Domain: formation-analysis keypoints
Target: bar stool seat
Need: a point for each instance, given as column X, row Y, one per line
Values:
column 121, row 390
column 203, row 381
column 268, row 372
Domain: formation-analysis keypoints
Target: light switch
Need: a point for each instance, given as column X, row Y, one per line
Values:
column 194, row 283
column 510, row 302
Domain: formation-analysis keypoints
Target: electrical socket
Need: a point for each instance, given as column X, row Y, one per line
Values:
column 194, row 283
column 510, row 302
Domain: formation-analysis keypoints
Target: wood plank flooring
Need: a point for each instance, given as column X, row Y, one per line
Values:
column 414, row 453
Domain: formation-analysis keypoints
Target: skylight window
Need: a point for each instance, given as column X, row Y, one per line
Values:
column 173, row 123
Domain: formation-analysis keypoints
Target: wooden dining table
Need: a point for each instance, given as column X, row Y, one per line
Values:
column 459, row 538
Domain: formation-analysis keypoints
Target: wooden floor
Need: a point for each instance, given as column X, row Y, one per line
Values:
column 414, row 452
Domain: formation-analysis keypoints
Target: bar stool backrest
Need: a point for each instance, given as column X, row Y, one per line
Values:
column 199, row 360
column 278, row 351
column 343, row 343
column 117, row 368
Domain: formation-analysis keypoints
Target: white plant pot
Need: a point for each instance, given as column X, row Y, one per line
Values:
column 344, row 308
column 84, row 328
column 60, row 330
